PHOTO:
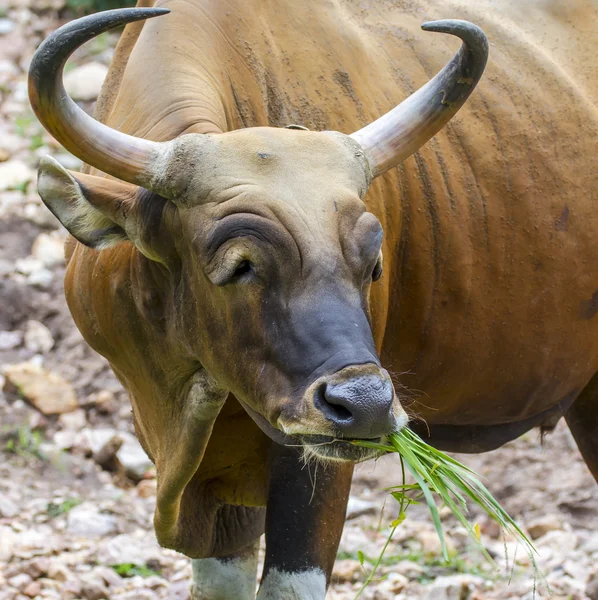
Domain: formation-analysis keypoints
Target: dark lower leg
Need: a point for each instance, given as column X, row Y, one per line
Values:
column 304, row 521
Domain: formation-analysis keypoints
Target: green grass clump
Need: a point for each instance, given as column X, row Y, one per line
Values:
column 437, row 475
column 131, row 570
column 55, row 510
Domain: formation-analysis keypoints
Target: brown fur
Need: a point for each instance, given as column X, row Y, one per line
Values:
column 487, row 301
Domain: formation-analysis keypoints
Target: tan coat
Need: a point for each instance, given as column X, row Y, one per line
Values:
column 487, row 308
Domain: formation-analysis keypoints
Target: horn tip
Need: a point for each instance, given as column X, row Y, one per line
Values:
column 470, row 33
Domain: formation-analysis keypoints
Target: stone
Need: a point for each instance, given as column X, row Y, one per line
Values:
column 6, row 26
column 28, row 265
column 147, row 488
column 394, row 584
column 106, row 455
column 409, row 569
column 47, row 391
column 37, row 567
column 104, row 401
column 10, row 339
column 592, row 587
column 133, row 458
column 41, row 278
column 8, row 542
column 109, row 576
column 85, row 82
column 33, row 589
column 20, row 581
column 356, row 507
column 59, row 572
column 15, row 174
column 49, row 248
column 541, row 526
column 73, row 421
column 454, row 587
column 87, row 521
column 8, row 508
column 38, row 338
column 65, row 440
column 431, row 545
column 137, row 548
column 347, row 570
column 93, row 588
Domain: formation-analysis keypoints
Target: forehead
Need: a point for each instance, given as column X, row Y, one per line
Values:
column 287, row 164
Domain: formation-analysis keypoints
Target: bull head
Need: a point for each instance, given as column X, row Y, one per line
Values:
column 267, row 234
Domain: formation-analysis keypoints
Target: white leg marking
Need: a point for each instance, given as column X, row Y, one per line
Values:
column 215, row 579
column 304, row 585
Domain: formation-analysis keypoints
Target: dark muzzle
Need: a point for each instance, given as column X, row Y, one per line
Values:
column 358, row 405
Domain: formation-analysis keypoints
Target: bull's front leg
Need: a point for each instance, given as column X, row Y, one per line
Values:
column 304, row 521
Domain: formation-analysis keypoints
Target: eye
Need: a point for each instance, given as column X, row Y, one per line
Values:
column 377, row 272
column 243, row 268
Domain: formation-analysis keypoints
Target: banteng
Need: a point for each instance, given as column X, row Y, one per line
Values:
column 230, row 268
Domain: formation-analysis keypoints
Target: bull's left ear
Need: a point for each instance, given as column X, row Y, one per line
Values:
column 98, row 212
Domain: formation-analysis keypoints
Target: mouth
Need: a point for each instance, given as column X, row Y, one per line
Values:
column 327, row 448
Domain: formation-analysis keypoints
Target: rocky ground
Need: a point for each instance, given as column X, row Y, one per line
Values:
column 77, row 492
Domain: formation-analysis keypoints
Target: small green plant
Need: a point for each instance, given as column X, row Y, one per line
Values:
column 438, row 475
column 22, row 124
column 131, row 569
column 21, row 187
column 25, row 442
column 37, row 141
column 55, row 510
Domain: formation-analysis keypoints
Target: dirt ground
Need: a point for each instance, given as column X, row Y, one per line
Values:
column 75, row 523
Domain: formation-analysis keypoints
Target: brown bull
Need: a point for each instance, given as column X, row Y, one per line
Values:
column 225, row 269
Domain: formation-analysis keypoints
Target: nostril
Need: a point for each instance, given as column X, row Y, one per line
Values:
column 330, row 406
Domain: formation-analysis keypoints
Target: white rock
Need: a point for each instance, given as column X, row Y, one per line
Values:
column 65, row 440
column 20, row 581
column 8, row 508
column 357, row 507
column 409, row 569
column 137, row 548
column 92, row 440
column 539, row 527
column 347, row 570
column 85, row 520
column 28, row 265
column 68, row 161
column 104, row 401
column 10, row 339
column 133, row 458
column 92, row 587
column 453, row 587
column 38, row 338
column 41, row 278
column 49, row 248
column 73, row 421
column 8, row 541
column 130, row 455
column 85, row 82
column 14, row 173
column 47, row 391
column 6, row 26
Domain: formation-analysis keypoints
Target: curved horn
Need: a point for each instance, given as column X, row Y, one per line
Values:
column 399, row 133
column 118, row 154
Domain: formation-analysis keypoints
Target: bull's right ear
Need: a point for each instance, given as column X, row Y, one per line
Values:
column 93, row 209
